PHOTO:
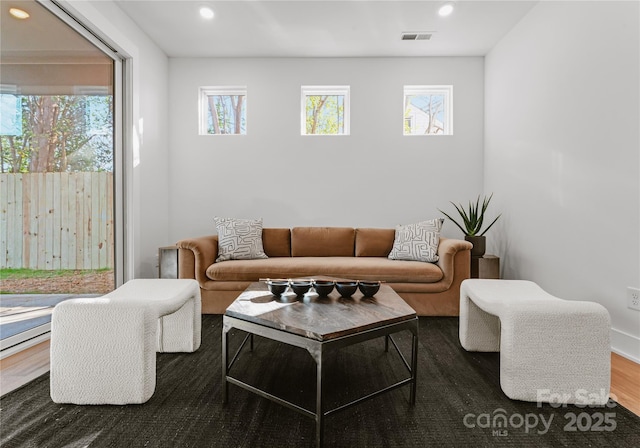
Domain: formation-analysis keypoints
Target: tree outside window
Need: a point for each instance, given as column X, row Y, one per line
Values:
column 56, row 133
column 223, row 111
column 428, row 110
column 325, row 110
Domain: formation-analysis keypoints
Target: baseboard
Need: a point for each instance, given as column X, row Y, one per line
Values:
column 626, row 345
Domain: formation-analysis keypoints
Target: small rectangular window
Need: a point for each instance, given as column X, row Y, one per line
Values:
column 223, row 110
column 325, row 110
column 428, row 110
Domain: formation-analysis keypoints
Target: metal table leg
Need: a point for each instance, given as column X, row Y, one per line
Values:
column 414, row 365
column 225, row 361
column 319, row 403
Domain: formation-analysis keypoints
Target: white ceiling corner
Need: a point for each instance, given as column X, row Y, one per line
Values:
column 327, row 28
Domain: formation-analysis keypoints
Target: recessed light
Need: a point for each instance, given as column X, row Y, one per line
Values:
column 445, row 9
column 206, row 12
column 19, row 13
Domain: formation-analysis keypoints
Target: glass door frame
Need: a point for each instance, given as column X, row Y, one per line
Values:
column 122, row 159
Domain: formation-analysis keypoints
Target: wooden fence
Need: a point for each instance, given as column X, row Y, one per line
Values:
column 56, row 220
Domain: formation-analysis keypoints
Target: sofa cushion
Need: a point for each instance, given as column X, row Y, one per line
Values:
column 362, row 268
column 417, row 242
column 374, row 242
column 276, row 242
column 239, row 239
column 322, row 241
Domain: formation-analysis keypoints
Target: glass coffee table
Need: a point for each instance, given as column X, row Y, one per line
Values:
column 319, row 325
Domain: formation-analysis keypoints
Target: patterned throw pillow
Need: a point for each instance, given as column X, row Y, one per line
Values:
column 417, row 242
column 239, row 239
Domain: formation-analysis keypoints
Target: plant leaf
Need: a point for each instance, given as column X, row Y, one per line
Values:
column 465, row 219
column 454, row 221
column 494, row 221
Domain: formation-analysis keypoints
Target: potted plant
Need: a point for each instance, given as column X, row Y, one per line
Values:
column 472, row 220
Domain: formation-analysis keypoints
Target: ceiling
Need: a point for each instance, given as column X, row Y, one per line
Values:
column 40, row 38
column 327, row 28
column 41, row 55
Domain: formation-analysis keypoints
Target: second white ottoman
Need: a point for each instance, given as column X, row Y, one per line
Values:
column 551, row 350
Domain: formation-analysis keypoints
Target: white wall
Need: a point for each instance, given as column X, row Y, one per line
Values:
column 562, row 155
column 374, row 177
column 147, row 168
column 561, row 148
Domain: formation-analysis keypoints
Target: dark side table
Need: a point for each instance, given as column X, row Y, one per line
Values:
column 487, row 266
column 168, row 262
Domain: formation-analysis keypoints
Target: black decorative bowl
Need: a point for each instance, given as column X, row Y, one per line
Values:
column 300, row 287
column 323, row 287
column 346, row 289
column 368, row 289
column 277, row 287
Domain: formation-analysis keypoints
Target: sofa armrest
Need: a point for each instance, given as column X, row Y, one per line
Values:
column 195, row 255
column 454, row 258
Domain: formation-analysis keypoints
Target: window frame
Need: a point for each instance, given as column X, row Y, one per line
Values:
column 446, row 91
column 316, row 90
column 203, row 105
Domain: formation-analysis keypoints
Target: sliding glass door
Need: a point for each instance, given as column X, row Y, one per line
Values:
column 58, row 192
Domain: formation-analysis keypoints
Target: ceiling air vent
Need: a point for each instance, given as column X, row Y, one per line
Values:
column 422, row 35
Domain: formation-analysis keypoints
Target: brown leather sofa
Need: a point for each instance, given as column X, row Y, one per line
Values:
column 432, row 289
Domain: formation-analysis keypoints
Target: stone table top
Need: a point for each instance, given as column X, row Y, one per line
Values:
column 318, row 318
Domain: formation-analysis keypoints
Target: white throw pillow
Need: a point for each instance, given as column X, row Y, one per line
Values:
column 417, row 242
column 239, row 239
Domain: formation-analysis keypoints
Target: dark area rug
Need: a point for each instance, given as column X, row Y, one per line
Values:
column 459, row 403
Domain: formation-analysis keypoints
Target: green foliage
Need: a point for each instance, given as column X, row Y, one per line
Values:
column 407, row 121
column 473, row 217
column 227, row 114
column 22, row 273
column 61, row 133
column 325, row 114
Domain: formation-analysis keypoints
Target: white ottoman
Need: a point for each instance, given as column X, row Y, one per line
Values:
column 551, row 350
column 179, row 329
column 103, row 350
